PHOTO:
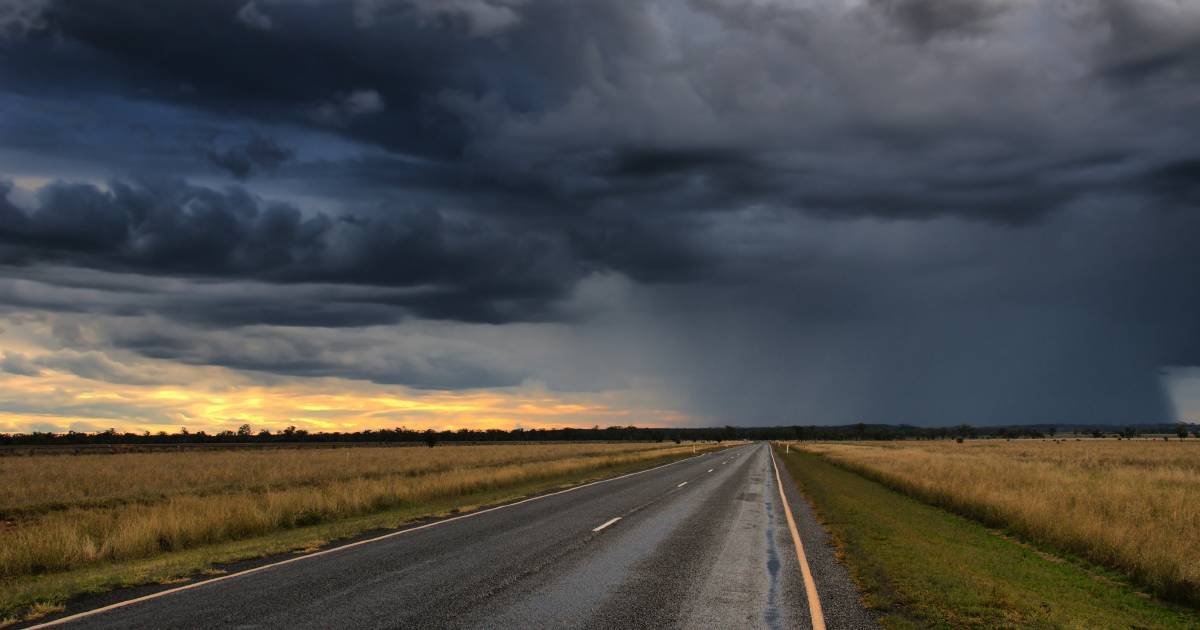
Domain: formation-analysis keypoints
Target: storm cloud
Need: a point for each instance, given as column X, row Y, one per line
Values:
column 772, row 210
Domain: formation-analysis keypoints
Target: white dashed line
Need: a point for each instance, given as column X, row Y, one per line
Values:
column 681, row 485
column 606, row 524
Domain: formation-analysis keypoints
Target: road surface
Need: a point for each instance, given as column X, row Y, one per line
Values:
column 701, row 543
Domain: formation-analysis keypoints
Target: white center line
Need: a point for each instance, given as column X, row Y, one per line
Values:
column 606, row 524
column 681, row 485
column 710, row 470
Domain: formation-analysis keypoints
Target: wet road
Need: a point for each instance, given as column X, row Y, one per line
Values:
column 701, row 543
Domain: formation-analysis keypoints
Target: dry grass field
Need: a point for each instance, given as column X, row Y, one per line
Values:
column 1131, row 505
column 61, row 512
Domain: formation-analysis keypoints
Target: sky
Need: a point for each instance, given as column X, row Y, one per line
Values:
column 351, row 214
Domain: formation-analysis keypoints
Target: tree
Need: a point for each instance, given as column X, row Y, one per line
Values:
column 1181, row 430
column 245, row 431
column 431, row 438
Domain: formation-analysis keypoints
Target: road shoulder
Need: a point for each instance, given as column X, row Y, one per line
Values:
column 841, row 601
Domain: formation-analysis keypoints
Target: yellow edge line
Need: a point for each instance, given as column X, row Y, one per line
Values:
column 810, row 586
column 158, row 594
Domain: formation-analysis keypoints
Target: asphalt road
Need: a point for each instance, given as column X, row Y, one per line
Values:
column 702, row 543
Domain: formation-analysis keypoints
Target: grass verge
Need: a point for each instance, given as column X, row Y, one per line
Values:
column 920, row 566
column 1119, row 504
column 23, row 596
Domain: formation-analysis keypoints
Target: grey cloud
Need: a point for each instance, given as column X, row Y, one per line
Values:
column 119, row 414
column 1148, row 40
column 478, row 18
column 465, row 268
column 927, row 19
column 345, row 107
column 257, row 153
column 19, row 364
column 252, row 16
column 95, row 366
column 92, row 365
column 419, row 360
column 18, row 17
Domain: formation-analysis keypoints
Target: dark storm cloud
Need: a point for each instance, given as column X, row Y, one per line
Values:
column 315, row 65
column 326, row 354
column 257, row 153
column 541, row 102
column 952, row 322
column 937, row 208
column 641, row 163
column 1147, row 43
column 114, row 349
column 1178, row 181
column 465, row 268
column 927, row 19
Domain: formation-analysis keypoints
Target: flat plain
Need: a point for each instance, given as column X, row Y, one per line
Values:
column 702, row 542
column 73, row 524
column 1129, row 505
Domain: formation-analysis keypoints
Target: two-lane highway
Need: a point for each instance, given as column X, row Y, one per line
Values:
column 701, row 543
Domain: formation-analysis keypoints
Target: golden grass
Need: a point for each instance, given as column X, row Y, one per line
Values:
column 49, row 482
column 1131, row 505
column 34, row 612
column 67, row 512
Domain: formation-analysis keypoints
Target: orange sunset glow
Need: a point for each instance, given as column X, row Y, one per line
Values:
column 214, row 399
column 60, row 402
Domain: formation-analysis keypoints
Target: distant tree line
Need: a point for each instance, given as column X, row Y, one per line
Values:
column 247, row 435
column 860, row 431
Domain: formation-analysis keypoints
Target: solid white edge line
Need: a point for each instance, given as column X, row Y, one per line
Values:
column 185, row 587
column 810, row 585
column 606, row 524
